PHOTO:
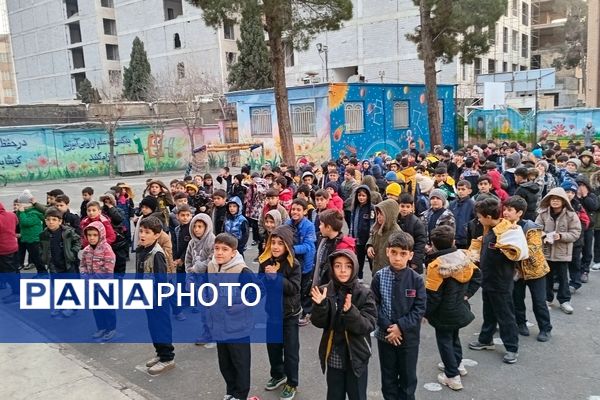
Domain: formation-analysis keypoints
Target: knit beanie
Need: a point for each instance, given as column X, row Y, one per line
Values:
column 569, row 186
column 544, row 164
column 149, row 202
column 439, row 193
column 391, row 176
column 25, row 197
column 393, row 189
column 332, row 185
column 575, row 161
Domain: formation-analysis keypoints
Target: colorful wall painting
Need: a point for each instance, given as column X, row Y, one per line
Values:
column 52, row 152
column 566, row 125
column 502, row 124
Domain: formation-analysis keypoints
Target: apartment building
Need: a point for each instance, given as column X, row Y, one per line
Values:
column 8, row 87
column 592, row 85
column 373, row 45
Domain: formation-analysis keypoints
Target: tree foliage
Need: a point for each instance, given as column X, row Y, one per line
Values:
column 574, row 49
column 292, row 21
column 87, row 93
column 137, row 77
column 253, row 67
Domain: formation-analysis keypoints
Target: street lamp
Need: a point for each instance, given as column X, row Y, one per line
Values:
column 321, row 48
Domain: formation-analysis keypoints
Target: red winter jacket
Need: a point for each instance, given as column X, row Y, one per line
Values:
column 286, row 198
column 99, row 259
column 336, row 203
column 8, row 232
column 111, row 236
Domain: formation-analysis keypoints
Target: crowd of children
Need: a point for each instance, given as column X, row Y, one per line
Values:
column 432, row 228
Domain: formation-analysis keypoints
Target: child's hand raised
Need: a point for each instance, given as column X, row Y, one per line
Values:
column 317, row 295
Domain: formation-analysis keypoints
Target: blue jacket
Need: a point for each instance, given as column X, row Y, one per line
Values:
column 237, row 224
column 464, row 211
column 304, row 243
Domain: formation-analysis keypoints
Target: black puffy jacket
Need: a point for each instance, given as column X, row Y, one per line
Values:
column 530, row 191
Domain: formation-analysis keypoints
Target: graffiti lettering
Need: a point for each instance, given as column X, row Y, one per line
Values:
column 8, row 160
column 10, row 143
column 91, row 143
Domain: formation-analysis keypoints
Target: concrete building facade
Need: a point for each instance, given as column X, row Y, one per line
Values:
column 8, row 86
column 373, row 45
column 592, row 87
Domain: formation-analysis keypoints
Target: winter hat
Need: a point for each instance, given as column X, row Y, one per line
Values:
column 586, row 153
column 537, row 153
column 191, row 186
column 425, row 184
column 393, row 189
column 332, row 185
column 569, row 186
column 575, row 161
column 544, row 164
column 110, row 197
column 307, row 173
column 391, row 176
column 149, row 202
column 439, row 193
column 25, row 197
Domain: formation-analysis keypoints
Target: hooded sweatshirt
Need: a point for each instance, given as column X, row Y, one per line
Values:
column 8, row 236
column 276, row 215
column 289, row 270
column 237, row 224
column 200, row 249
column 327, row 246
column 372, row 185
column 165, row 199
column 380, row 234
column 97, row 261
column 111, row 236
column 530, row 191
column 362, row 218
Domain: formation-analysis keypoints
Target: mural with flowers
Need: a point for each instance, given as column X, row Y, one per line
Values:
column 51, row 152
column 502, row 124
column 566, row 125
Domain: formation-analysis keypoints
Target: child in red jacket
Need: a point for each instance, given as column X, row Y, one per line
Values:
column 94, row 213
column 285, row 194
column 335, row 200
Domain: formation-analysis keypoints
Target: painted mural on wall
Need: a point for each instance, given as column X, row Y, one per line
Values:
column 380, row 132
column 30, row 154
column 313, row 145
column 566, row 125
column 502, row 124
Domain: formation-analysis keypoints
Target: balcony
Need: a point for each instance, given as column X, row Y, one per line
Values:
column 74, row 32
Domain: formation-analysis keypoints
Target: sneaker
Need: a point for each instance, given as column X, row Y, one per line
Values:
column 152, row 362
column 161, row 367
column 304, row 320
column 453, row 383
column 523, row 329
column 481, row 346
column 572, row 290
column 274, row 383
column 109, row 335
column 595, row 267
column 585, row 277
column 510, row 357
column 98, row 334
column 461, row 368
column 288, row 393
column 180, row 317
column 543, row 336
column 566, row 307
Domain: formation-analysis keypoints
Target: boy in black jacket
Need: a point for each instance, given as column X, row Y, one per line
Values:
column 69, row 219
column 180, row 240
column 150, row 260
column 463, row 209
column 219, row 212
column 452, row 278
column 278, row 258
column 412, row 225
column 401, row 300
column 529, row 191
column 361, row 222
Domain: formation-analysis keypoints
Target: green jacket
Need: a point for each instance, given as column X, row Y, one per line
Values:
column 31, row 224
column 71, row 244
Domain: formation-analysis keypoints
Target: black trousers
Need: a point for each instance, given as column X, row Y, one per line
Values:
column 348, row 217
column 498, row 309
column 305, row 286
column 448, row 343
column 361, row 254
column 9, row 268
column 558, row 271
column 398, row 367
column 234, row 364
column 105, row 319
column 537, row 289
column 159, row 325
column 342, row 383
column 33, row 249
column 285, row 357
column 575, row 268
column 255, row 232
column 597, row 245
column 586, row 259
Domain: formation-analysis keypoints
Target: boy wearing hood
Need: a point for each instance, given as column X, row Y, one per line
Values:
column 401, row 300
column 562, row 228
column 452, row 279
column 528, row 190
column 361, row 222
column 271, row 204
column 94, row 213
column 161, row 193
column 98, row 261
column 331, row 223
column 347, row 313
column 369, row 181
column 148, row 208
column 587, row 167
column 386, row 217
column 284, row 358
column 236, row 224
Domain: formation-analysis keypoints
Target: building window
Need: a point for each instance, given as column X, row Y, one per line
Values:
column 505, row 40
column 112, row 52
column 180, row 70
column 491, row 66
column 441, row 109
column 74, row 32
column 525, row 13
column 477, row 66
column 401, row 114
column 107, row 3
column 110, row 26
column 6, row 76
column 492, row 34
column 515, row 41
column 71, row 8
column 536, row 61
column 504, row 66
column 77, row 57
column 260, row 121
column 515, row 8
column 354, row 117
column 228, row 30
column 177, row 41
column 9, row 92
column 523, row 67
column 303, row 119
column 3, row 57
column 114, row 77
column 172, row 9
column 524, row 45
